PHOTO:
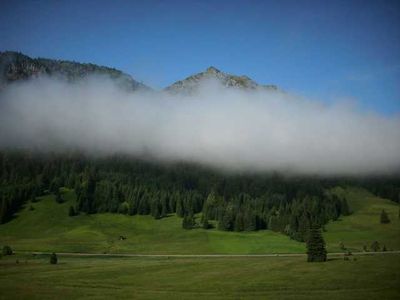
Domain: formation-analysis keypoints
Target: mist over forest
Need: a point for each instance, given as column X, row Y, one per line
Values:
column 230, row 128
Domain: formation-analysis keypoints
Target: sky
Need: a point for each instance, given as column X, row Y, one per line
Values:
column 330, row 51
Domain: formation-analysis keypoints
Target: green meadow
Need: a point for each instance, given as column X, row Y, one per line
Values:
column 49, row 228
column 363, row 226
column 368, row 277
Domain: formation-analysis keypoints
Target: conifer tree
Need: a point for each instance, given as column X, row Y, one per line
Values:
column 375, row 246
column 204, row 222
column 316, row 251
column 59, row 197
column 3, row 210
column 341, row 246
column 226, row 219
column 304, row 227
column 179, row 208
column 188, row 222
column 345, row 207
column 384, row 217
column 71, row 212
column 53, row 258
column 7, row 250
column 239, row 226
column 155, row 209
column 249, row 221
column 273, row 223
column 164, row 206
column 55, row 186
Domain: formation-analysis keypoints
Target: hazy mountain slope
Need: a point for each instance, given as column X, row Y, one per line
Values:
column 191, row 83
column 16, row 66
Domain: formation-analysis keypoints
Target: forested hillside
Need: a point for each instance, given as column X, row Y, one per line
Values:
column 127, row 185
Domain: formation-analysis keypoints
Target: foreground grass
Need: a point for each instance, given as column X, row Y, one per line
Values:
column 49, row 228
column 375, row 277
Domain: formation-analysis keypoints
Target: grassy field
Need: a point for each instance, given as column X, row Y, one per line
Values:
column 49, row 228
column 363, row 226
column 373, row 277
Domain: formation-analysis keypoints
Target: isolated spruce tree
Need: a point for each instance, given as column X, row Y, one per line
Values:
column 185, row 222
column 384, row 217
column 345, row 207
column 341, row 246
column 304, row 227
column 188, row 222
column 55, row 186
column 71, row 212
column 238, row 226
column 226, row 221
column 59, row 198
column 249, row 221
column 164, row 206
column 7, row 250
column 273, row 223
column 375, row 246
column 204, row 222
column 156, row 210
column 179, row 207
column 316, row 251
column 53, row 258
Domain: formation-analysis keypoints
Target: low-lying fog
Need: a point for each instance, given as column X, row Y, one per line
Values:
column 228, row 128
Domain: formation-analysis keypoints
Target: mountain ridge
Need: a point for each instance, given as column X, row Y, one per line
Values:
column 16, row 66
column 191, row 83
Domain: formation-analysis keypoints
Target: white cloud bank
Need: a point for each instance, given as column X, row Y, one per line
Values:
column 229, row 128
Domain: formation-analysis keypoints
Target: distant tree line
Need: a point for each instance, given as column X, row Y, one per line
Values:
column 385, row 187
column 127, row 185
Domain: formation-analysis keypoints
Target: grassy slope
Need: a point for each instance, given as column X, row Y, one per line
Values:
column 374, row 277
column 48, row 228
column 363, row 226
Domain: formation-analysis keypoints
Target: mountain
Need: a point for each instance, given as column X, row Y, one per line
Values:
column 191, row 83
column 16, row 66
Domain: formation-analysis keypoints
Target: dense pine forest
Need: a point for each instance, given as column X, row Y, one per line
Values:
column 127, row 185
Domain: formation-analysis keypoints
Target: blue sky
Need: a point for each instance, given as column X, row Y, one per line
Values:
column 327, row 50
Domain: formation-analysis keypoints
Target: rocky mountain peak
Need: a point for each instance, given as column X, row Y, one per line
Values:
column 190, row 84
column 212, row 70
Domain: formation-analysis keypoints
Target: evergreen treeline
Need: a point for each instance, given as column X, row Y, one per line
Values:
column 119, row 184
column 385, row 187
